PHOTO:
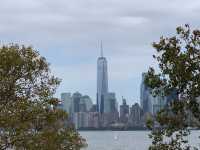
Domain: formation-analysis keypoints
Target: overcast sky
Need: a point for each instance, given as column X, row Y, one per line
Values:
column 68, row 32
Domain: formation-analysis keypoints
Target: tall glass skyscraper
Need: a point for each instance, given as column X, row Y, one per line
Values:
column 153, row 104
column 145, row 96
column 102, row 82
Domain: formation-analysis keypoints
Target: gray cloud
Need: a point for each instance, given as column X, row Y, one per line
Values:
column 68, row 32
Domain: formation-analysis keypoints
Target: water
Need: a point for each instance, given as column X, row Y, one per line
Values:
column 117, row 140
column 124, row 140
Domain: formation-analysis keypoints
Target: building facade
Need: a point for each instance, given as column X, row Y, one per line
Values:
column 145, row 96
column 76, row 98
column 135, row 115
column 66, row 101
column 124, row 112
column 102, row 82
column 87, row 101
column 81, row 119
column 153, row 104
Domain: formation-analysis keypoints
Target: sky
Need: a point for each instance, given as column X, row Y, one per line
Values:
column 68, row 34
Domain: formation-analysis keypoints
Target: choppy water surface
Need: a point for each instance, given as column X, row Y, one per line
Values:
column 124, row 140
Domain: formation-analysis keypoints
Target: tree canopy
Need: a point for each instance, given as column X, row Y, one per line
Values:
column 29, row 118
column 178, row 58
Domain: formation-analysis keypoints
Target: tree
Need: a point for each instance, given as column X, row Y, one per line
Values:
column 29, row 118
column 179, row 68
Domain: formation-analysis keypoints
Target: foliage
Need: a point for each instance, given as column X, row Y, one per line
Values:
column 29, row 118
column 179, row 64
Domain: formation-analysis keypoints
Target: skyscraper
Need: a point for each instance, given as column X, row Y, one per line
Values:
column 87, row 101
column 135, row 115
column 76, row 97
column 102, row 81
column 66, row 101
column 154, row 104
column 145, row 96
column 124, row 111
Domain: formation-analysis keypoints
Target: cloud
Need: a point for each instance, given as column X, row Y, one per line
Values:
column 68, row 32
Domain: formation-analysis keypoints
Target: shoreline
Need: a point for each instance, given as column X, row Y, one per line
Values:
column 113, row 129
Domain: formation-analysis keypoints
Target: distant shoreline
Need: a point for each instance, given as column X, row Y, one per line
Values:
column 122, row 129
column 114, row 129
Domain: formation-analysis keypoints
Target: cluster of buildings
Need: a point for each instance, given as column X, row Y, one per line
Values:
column 83, row 113
column 107, row 113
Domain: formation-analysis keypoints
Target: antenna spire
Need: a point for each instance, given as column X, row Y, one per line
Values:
column 101, row 49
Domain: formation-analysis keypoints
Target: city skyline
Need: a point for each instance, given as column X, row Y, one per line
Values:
column 68, row 32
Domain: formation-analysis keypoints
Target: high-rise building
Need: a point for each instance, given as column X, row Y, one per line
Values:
column 102, row 82
column 82, row 106
column 82, row 112
column 76, row 97
column 93, row 119
column 158, row 103
column 87, row 101
column 145, row 96
column 124, row 112
column 149, row 103
column 153, row 104
column 110, row 103
column 80, row 119
column 93, row 108
column 110, row 114
column 66, row 101
column 135, row 115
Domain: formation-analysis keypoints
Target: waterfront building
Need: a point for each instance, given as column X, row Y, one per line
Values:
column 78, row 107
column 110, row 105
column 80, row 120
column 66, row 101
column 124, row 111
column 149, row 103
column 153, row 104
column 102, row 82
column 93, row 119
column 87, row 101
column 106, row 119
column 161, row 102
column 158, row 103
column 76, row 97
column 135, row 115
column 93, row 108
column 145, row 96
column 86, row 120
column 82, row 106
column 110, row 114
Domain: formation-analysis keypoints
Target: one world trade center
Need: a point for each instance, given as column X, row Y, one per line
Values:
column 102, row 82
